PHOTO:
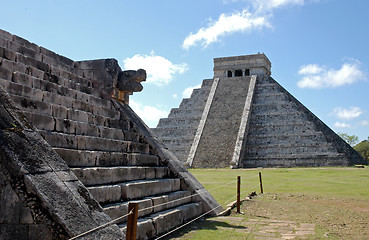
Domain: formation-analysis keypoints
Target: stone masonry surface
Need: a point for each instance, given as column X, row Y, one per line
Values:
column 107, row 156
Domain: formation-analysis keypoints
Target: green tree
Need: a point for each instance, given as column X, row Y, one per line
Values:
column 363, row 148
column 350, row 139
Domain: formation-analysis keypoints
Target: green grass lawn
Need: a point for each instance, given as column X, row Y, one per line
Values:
column 334, row 182
column 335, row 200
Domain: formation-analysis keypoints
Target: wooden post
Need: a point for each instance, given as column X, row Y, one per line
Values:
column 132, row 221
column 261, row 183
column 238, row 193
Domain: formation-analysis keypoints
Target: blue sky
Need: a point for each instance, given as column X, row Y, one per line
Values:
column 318, row 48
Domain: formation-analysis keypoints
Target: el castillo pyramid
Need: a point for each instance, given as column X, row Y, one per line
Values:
column 244, row 118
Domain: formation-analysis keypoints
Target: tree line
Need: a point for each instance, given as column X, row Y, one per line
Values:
column 361, row 147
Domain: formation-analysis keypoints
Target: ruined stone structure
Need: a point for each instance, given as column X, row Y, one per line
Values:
column 244, row 118
column 73, row 154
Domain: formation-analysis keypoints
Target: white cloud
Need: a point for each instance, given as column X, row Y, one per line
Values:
column 246, row 20
column 175, row 96
column 149, row 114
column 347, row 114
column 226, row 24
column 342, row 125
column 160, row 71
column 364, row 123
column 188, row 91
column 270, row 5
column 310, row 69
column 320, row 77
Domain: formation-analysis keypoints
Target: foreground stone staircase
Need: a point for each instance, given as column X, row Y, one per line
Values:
column 115, row 159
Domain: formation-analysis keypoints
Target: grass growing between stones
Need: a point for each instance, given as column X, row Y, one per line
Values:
column 299, row 203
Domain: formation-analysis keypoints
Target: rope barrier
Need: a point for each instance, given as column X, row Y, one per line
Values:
column 166, row 234
column 221, row 186
column 166, row 203
column 101, row 226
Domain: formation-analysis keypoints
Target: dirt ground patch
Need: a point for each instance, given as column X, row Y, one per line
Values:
column 287, row 216
column 310, row 217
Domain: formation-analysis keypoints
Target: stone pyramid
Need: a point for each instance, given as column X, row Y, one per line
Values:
column 244, row 118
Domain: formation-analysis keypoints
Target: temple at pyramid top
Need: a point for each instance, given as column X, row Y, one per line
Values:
column 242, row 117
column 238, row 66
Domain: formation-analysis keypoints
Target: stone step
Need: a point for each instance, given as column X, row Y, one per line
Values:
column 179, row 120
column 273, row 107
column 200, row 100
column 207, row 83
column 175, row 141
column 161, row 222
column 133, row 190
column 25, row 95
column 268, row 98
column 267, row 88
column 48, row 65
column 31, row 50
column 285, row 138
column 180, row 125
column 111, row 175
column 288, row 148
column 296, row 160
column 48, row 123
column 61, row 86
column 195, row 112
column 281, row 129
column 85, row 158
column 164, row 132
column 277, row 117
column 62, row 140
column 148, row 205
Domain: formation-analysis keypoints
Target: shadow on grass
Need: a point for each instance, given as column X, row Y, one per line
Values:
column 203, row 224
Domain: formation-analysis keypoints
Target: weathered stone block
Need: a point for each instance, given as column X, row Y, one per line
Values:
column 76, row 158
column 190, row 211
column 139, row 159
column 58, row 111
column 10, row 206
column 116, row 211
column 25, row 216
column 22, row 79
column 39, row 231
column 139, row 189
column 40, row 121
column 167, row 220
column 77, row 115
column 13, row 231
column 53, row 98
column 60, row 140
column 150, row 173
column 86, row 129
column 106, row 193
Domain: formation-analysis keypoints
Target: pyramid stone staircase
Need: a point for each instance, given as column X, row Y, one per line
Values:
column 79, row 112
column 183, row 121
column 249, row 120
